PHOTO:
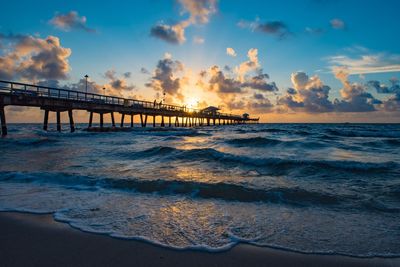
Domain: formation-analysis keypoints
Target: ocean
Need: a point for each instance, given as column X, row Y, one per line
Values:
column 312, row 188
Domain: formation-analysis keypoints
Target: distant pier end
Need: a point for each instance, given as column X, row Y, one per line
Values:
column 59, row 100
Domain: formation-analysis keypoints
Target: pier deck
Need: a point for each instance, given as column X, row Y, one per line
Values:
column 62, row 100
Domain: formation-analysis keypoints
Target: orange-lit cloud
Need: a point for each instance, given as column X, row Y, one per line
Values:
column 199, row 13
column 230, row 51
column 34, row 58
column 70, row 21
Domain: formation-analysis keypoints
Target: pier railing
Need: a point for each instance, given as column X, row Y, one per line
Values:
column 17, row 88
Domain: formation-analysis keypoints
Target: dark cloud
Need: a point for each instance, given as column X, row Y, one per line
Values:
column 261, row 105
column 164, row 79
column 227, row 68
column 118, row 85
column 358, row 101
column 203, row 73
column 231, row 104
column 70, row 21
column 308, row 95
column 273, row 27
column 383, row 89
column 222, row 84
column 259, row 96
column 277, row 28
column 392, row 103
column 144, row 71
column 289, row 102
column 259, row 82
column 174, row 34
column 50, row 83
column 291, row 91
column 355, row 98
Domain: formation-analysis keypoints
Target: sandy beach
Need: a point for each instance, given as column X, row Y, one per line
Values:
column 38, row 240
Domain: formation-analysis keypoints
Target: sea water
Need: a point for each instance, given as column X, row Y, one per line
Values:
column 313, row 188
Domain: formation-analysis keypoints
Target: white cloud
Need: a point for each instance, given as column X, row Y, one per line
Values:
column 198, row 40
column 231, row 52
column 250, row 65
column 199, row 10
column 366, row 63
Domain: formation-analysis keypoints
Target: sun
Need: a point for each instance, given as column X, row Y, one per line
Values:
column 192, row 102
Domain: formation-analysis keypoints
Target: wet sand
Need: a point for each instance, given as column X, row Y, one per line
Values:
column 38, row 240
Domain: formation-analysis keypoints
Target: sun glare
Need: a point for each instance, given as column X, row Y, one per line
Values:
column 192, row 102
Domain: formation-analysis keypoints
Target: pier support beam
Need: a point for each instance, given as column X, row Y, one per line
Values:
column 90, row 119
column 71, row 121
column 46, row 119
column 154, row 121
column 131, row 120
column 143, row 121
column 162, row 121
column 176, row 121
column 112, row 119
column 122, row 120
column 101, row 120
column 208, row 121
column 58, row 121
column 3, row 121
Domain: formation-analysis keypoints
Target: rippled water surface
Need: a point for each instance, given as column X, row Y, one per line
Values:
column 321, row 188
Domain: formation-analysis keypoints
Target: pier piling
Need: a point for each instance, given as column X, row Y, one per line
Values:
column 162, row 121
column 91, row 119
column 46, row 119
column 3, row 121
column 71, row 121
column 112, row 119
column 58, row 121
column 122, row 120
column 143, row 121
column 101, row 120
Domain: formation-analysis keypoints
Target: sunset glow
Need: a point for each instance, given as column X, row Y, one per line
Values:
column 200, row 133
column 256, row 57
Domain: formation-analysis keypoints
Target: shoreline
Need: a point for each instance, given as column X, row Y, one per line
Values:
column 38, row 240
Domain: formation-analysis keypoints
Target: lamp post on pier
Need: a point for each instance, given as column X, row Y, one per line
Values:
column 86, row 78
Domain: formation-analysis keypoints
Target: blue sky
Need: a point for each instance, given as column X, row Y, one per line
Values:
column 122, row 41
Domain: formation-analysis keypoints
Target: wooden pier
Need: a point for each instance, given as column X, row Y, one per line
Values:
column 62, row 100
